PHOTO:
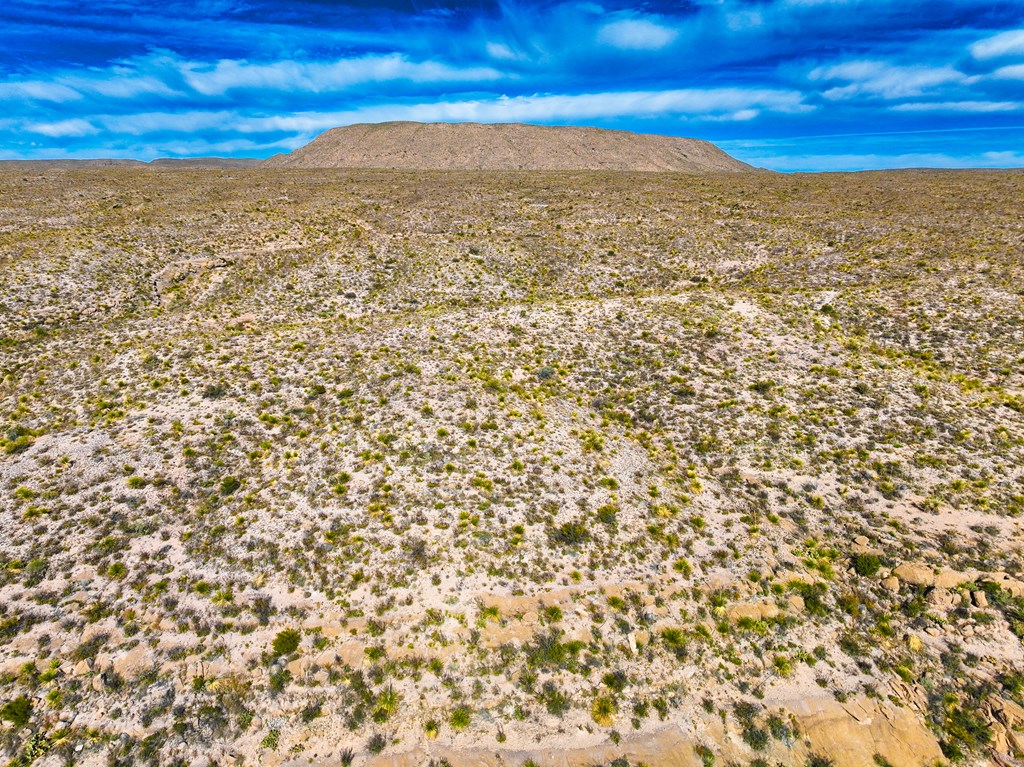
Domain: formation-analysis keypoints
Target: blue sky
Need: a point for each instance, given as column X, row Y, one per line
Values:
column 784, row 84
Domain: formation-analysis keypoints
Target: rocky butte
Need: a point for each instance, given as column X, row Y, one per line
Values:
column 509, row 146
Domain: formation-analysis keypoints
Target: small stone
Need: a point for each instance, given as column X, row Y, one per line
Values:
column 980, row 599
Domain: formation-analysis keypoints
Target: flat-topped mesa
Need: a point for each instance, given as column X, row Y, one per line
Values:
column 506, row 146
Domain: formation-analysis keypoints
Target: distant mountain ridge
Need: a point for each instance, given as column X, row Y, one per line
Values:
column 504, row 146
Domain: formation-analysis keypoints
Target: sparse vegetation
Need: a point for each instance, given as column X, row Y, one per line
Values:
column 487, row 458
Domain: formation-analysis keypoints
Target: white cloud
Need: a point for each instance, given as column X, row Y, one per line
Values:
column 637, row 35
column 502, row 51
column 960, row 106
column 37, row 90
column 712, row 104
column 321, row 77
column 1009, row 43
column 119, row 83
column 63, row 128
column 884, row 80
column 154, row 122
column 1015, row 72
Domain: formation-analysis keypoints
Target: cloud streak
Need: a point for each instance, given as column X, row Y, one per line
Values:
column 317, row 77
column 1009, row 43
column 885, row 80
column 637, row 35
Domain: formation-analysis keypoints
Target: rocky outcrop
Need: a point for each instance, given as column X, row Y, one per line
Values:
column 917, row 574
column 1006, row 719
column 849, row 735
column 178, row 271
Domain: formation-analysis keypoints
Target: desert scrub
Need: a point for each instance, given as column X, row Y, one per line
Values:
column 286, row 642
column 460, row 718
column 17, row 711
column 603, row 711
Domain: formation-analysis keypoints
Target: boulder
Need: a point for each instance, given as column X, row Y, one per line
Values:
column 941, row 598
column 131, row 664
column 949, row 579
column 758, row 611
column 298, row 667
column 915, row 574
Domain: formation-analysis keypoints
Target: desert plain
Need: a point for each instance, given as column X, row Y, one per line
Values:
column 328, row 467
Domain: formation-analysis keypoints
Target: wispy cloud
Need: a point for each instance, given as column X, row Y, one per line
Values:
column 319, row 77
column 1009, row 43
column 980, row 107
column 884, row 80
column 37, row 90
column 63, row 128
column 720, row 103
column 1013, row 72
column 713, row 103
column 637, row 35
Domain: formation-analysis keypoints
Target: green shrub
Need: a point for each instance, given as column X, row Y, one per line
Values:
column 603, row 711
column 17, row 711
column 707, row 756
column 286, row 642
column 756, row 738
column 271, row 740
column 615, row 680
column 555, row 701
column 229, row 484
column 570, row 534
column 460, row 718
column 866, row 565
column 377, row 743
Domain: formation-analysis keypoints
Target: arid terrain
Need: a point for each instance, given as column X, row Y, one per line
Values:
column 327, row 467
